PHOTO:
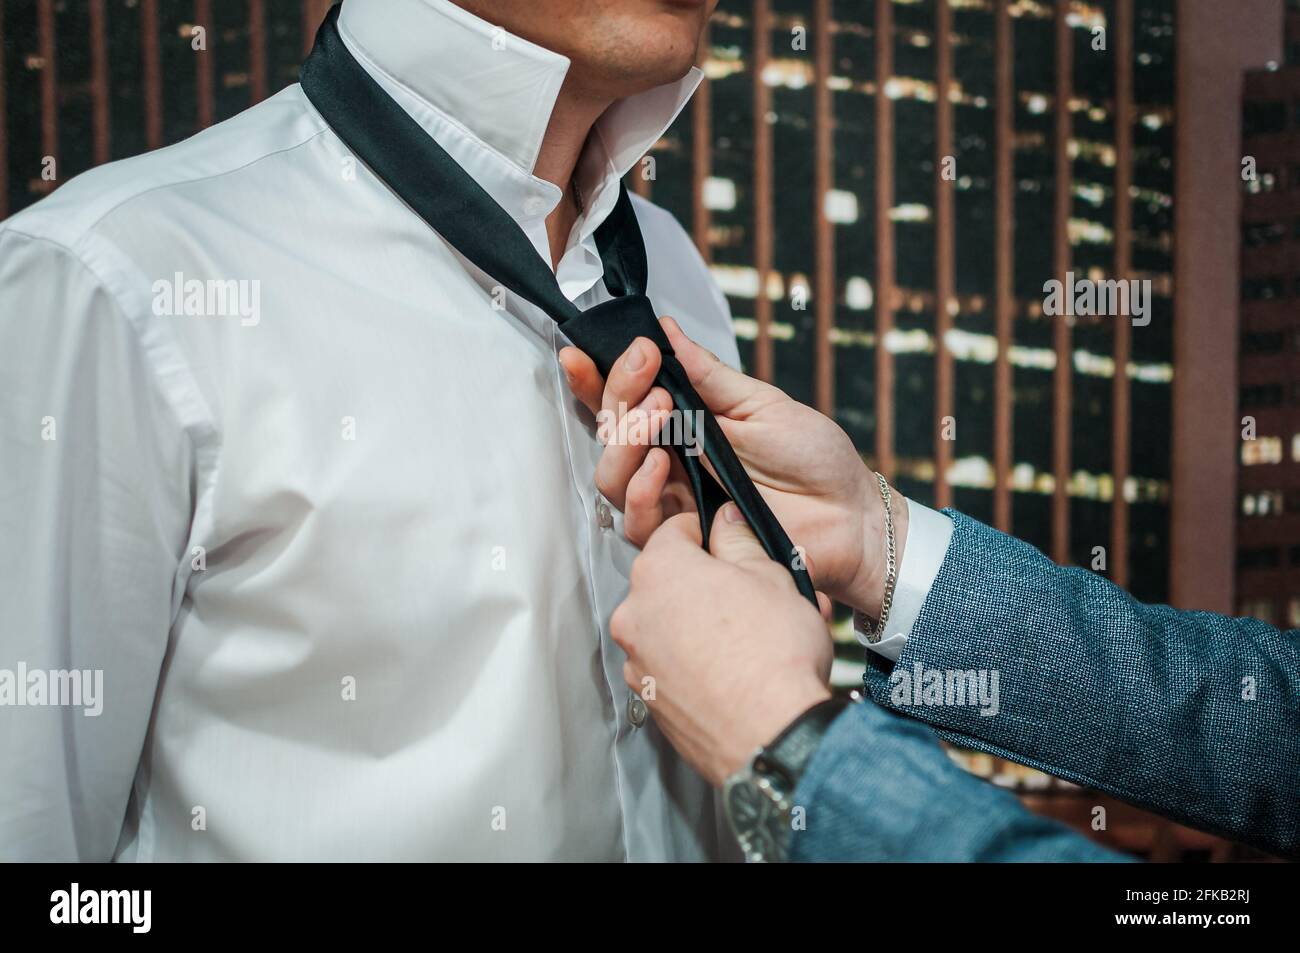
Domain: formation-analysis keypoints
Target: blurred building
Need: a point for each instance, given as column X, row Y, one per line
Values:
column 88, row 81
column 1268, row 529
column 885, row 187
column 882, row 188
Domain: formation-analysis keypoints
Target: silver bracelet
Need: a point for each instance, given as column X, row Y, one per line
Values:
column 875, row 633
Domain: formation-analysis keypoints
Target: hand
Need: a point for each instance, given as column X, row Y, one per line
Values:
column 803, row 464
column 734, row 652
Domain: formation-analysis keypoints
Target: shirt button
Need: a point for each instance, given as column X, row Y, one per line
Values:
column 636, row 710
column 535, row 206
column 604, row 515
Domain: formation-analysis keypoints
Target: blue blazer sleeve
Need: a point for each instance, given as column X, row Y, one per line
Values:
column 880, row 788
column 1192, row 715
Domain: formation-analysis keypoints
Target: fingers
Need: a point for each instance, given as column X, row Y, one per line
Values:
column 721, row 387
column 732, row 540
column 629, row 409
column 627, row 443
column 632, row 412
column 644, row 504
column 824, row 606
column 584, row 380
column 676, row 531
column 630, row 379
column 674, row 548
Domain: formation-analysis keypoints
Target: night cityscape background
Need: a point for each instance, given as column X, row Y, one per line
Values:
column 882, row 188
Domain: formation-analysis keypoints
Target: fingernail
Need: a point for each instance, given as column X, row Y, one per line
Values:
column 635, row 357
column 731, row 513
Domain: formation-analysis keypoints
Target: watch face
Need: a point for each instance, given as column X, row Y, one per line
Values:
column 756, row 820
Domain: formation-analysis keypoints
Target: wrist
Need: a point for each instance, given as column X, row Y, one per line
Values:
column 779, row 707
column 867, row 590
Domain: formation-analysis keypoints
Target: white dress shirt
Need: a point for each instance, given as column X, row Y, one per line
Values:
column 928, row 535
column 333, row 542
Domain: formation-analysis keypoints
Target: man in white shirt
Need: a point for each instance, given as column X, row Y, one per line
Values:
column 317, row 518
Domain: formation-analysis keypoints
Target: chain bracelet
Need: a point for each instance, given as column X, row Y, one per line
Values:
column 877, row 632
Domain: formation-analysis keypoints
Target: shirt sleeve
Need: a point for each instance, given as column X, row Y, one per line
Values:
column 881, row 788
column 94, row 516
column 928, row 534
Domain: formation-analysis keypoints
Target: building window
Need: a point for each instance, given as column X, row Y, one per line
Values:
column 1258, row 234
column 1266, row 118
column 1261, row 450
column 1261, row 609
column 1263, row 342
column 1293, row 613
column 1295, row 447
column 1266, row 180
column 1268, row 288
column 1265, row 503
column 1262, row 395
column 1259, row 557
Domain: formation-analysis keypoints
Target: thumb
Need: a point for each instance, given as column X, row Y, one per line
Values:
column 731, row 539
column 720, row 386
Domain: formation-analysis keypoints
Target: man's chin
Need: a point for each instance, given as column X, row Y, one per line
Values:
column 644, row 51
column 649, row 72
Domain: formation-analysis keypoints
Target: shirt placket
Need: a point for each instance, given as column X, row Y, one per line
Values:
column 609, row 559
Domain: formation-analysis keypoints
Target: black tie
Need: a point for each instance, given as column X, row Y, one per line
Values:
column 414, row 166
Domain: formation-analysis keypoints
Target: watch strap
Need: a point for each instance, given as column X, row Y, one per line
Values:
column 791, row 750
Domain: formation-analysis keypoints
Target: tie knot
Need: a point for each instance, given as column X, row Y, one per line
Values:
column 605, row 331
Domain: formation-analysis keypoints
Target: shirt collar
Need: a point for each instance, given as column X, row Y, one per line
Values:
column 486, row 97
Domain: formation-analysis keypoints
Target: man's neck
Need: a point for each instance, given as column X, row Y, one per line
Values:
column 572, row 118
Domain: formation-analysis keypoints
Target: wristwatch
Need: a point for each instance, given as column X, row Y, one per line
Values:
column 758, row 798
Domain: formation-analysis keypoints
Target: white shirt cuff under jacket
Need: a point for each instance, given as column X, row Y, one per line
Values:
column 928, row 534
